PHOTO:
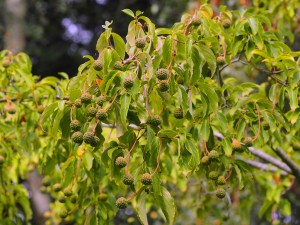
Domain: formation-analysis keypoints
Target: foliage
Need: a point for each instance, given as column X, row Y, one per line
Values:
column 128, row 126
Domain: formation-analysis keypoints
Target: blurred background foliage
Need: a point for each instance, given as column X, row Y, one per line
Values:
column 56, row 34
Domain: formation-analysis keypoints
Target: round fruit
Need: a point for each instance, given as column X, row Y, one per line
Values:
column 77, row 137
column 101, row 114
column 63, row 214
column 43, row 189
column 57, row 187
column 92, row 111
column 162, row 74
column 196, row 21
column 121, row 162
column 213, row 154
column 146, row 179
column 164, row 86
column 47, row 214
column 213, row 175
column 40, row 109
column 73, row 199
column 221, row 180
column 86, row 98
column 128, row 83
column 178, row 113
column 118, row 66
column 6, row 63
column 75, row 125
column 78, row 103
column 95, row 141
column 128, row 179
column 101, row 99
column 296, row 146
column 205, row 160
column 140, row 42
column 226, row 23
column 122, row 203
column 98, row 65
column 179, row 80
column 46, row 181
column 68, row 192
column 147, row 190
column 236, row 145
column 10, row 108
column 221, row 60
column 220, row 192
column 2, row 160
column 266, row 125
column 88, row 137
column 248, row 141
column 62, row 198
column 102, row 197
column 154, row 120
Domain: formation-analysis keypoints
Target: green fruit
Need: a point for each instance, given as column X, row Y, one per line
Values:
column 46, row 181
column 73, row 199
column 213, row 154
column 179, row 80
column 236, row 145
column 75, row 125
column 162, row 74
column 102, row 197
column 128, row 179
column 98, row 65
column 10, row 108
column 2, row 160
column 40, row 109
column 101, row 114
column 86, row 98
column 101, row 99
column 154, row 120
column 68, row 192
column 121, row 162
column 226, row 23
column 221, row 180
column 205, row 160
column 92, row 111
column 57, row 187
column 196, row 21
column 221, row 60
column 118, row 66
column 95, row 141
column 140, row 42
column 296, row 146
column 47, row 215
column 78, row 103
column 88, row 137
column 6, row 63
column 178, row 113
column 128, row 83
column 213, row 175
column 62, row 198
column 220, row 192
column 77, row 137
column 147, row 190
column 248, row 141
column 146, row 179
column 63, row 213
column 164, row 86
column 122, row 203
column 266, row 125
column 43, row 189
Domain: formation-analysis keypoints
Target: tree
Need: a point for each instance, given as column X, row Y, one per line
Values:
column 158, row 124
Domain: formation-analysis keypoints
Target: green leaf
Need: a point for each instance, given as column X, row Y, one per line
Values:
column 191, row 147
column 125, row 103
column 167, row 205
column 128, row 12
column 167, row 50
column 208, row 55
column 205, row 130
column 88, row 160
column 167, row 133
column 240, row 129
column 141, row 207
column 226, row 143
column 119, row 45
column 196, row 65
column 239, row 176
column 102, row 42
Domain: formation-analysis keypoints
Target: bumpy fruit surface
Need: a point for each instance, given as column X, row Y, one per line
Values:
column 121, row 162
column 266, row 125
column 213, row 154
column 221, row 180
column 140, row 42
column 220, row 192
column 205, row 160
column 196, row 21
column 10, row 108
column 40, row 109
column 128, row 83
column 178, row 113
column 221, row 60
column 98, row 65
column 162, row 74
column 46, row 181
column 68, row 192
column 213, row 175
column 73, row 199
column 6, row 63
column 2, row 160
column 57, row 187
column 78, row 103
column 43, row 189
column 101, row 114
column 296, row 146
column 77, row 137
column 63, row 213
column 102, row 197
column 146, row 179
column 118, row 66
column 122, row 203
column 248, row 141
column 75, row 125
column 128, row 179
column 101, row 99
column 92, row 111
column 164, row 86
column 62, row 198
column 88, row 137
column 179, row 80
column 154, row 120
column 236, row 145
column 226, row 23
column 86, row 98
column 95, row 141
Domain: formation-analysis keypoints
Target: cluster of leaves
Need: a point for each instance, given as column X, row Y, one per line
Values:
column 152, row 114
